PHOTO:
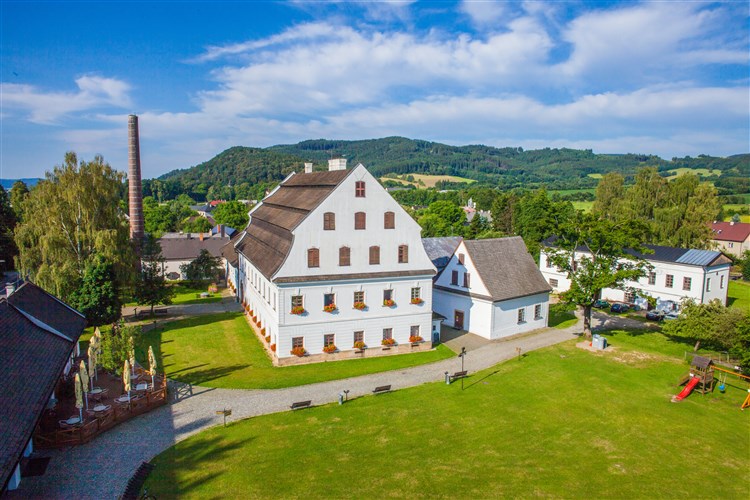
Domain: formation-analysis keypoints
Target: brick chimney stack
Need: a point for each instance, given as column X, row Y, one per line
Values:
column 135, row 195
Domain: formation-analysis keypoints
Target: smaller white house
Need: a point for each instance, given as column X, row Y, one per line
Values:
column 678, row 273
column 492, row 288
column 182, row 248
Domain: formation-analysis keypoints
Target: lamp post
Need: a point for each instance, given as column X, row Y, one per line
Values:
column 462, row 356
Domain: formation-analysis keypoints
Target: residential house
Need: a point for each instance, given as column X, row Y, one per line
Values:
column 182, row 248
column 330, row 258
column 678, row 273
column 38, row 341
column 491, row 288
column 732, row 238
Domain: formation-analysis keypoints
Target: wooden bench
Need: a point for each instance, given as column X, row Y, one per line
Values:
column 381, row 389
column 458, row 375
column 301, row 404
column 161, row 311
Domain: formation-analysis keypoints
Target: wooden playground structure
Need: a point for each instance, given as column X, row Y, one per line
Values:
column 701, row 378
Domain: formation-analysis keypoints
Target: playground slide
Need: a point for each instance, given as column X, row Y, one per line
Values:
column 687, row 390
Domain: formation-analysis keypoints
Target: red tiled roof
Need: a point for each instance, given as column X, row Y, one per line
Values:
column 728, row 231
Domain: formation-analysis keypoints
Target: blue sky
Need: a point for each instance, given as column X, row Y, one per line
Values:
column 668, row 78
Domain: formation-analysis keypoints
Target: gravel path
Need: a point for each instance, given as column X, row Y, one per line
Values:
column 102, row 468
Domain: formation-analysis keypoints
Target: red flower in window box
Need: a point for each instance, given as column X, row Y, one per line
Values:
column 361, row 306
column 329, row 308
column 268, row 338
column 298, row 351
column 415, row 338
column 389, row 303
column 417, row 300
column 298, row 310
column 330, row 349
column 359, row 345
column 263, row 332
column 273, row 347
column 388, row 342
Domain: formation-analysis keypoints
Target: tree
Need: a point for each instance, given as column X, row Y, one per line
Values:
column 8, row 249
column 232, row 214
column 607, row 263
column 610, row 196
column 203, row 268
column 68, row 218
column 18, row 194
column 116, row 346
column 152, row 288
column 195, row 224
column 477, row 226
column 98, row 296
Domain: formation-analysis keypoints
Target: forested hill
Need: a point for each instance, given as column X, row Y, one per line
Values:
column 505, row 167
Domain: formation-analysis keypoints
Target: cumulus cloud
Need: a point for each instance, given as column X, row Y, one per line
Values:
column 485, row 13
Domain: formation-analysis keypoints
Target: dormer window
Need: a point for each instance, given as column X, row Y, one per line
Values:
column 359, row 189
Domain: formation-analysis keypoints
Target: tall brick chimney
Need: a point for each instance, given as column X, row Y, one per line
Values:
column 135, row 195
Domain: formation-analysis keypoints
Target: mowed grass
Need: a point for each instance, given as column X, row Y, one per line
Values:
column 187, row 294
column 561, row 316
column 561, row 422
column 738, row 295
column 221, row 350
column 429, row 181
column 696, row 171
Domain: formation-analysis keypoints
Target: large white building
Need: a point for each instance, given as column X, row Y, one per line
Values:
column 678, row 273
column 330, row 258
column 489, row 287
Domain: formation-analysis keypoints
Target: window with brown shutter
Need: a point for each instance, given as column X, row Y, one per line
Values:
column 359, row 220
column 359, row 189
column 344, row 256
column 389, row 220
column 313, row 257
column 329, row 221
column 403, row 254
column 454, row 278
column 466, row 280
column 374, row 255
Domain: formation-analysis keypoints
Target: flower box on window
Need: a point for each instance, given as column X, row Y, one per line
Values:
column 359, row 345
column 415, row 338
column 330, row 349
column 273, row 347
column 268, row 339
column 298, row 310
column 389, row 303
column 329, row 308
column 417, row 301
column 361, row 306
column 388, row 342
column 298, row 351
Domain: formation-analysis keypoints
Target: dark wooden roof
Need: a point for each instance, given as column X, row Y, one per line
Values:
column 184, row 248
column 700, row 362
column 228, row 251
column 268, row 238
column 506, row 268
column 37, row 335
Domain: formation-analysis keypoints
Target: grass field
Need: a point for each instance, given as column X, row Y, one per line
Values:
column 186, row 294
column 595, row 176
column 697, row 171
column 429, row 181
column 738, row 295
column 561, row 316
column 731, row 209
column 221, row 350
column 562, row 422
column 586, row 206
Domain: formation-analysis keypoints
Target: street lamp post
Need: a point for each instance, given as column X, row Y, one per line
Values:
column 462, row 356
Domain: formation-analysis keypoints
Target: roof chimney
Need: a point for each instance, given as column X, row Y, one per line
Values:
column 200, row 236
column 336, row 164
column 221, row 230
column 9, row 289
column 308, row 168
column 135, row 195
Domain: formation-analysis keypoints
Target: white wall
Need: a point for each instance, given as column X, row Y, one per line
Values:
column 505, row 317
column 476, row 286
column 477, row 312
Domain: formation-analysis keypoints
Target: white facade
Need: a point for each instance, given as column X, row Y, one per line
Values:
column 472, row 307
column 668, row 281
column 271, row 299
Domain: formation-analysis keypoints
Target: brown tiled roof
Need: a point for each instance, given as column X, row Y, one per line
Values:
column 727, row 231
column 185, row 248
column 268, row 238
column 506, row 268
column 356, row 276
column 228, row 251
column 33, row 354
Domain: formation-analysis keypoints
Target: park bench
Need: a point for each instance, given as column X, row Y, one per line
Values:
column 161, row 311
column 301, row 404
column 381, row 389
column 458, row 375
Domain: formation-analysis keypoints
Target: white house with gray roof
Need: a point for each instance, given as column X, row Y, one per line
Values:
column 491, row 288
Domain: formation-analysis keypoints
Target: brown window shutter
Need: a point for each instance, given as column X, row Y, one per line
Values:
column 466, row 280
column 403, row 254
column 360, row 219
column 359, row 189
column 389, row 220
column 344, row 256
column 313, row 257
column 375, row 255
column 329, row 221
column 454, row 278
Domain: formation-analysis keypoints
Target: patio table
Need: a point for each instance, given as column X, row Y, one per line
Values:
column 141, row 387
column 122, row 399
column 73, row 421
column 100, row 408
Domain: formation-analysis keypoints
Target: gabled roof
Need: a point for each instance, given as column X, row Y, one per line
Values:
column 730, row 231
column 189, row 246
column 506, row 268
column 37, row 335
column 228, row 251
column 268, row 238
column 441, row 249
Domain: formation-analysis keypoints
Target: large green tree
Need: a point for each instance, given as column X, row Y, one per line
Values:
column 610, row 196
column 8, row 249
column 18, row 194
column 205, row 267
column 151, row 287
column 98, row 296
column 604, row 261
column 69, row 217
column 232, row 214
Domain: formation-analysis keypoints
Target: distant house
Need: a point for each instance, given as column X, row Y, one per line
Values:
column 38, row 341
column 678, row 273
column 182, row 248
column 732, row 238
column 471, row 211
column 490, row 287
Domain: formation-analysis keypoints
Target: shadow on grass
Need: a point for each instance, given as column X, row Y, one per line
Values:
column 199, row 377
column 202, row 320
column 475, row 382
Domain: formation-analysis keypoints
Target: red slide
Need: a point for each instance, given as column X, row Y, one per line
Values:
column 687, row 390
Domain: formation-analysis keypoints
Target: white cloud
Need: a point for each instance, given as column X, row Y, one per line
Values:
column 46, row 107
column 485, row 13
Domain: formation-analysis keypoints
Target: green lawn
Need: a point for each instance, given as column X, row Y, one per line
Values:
column 562, row 422
column 586, row 206
column 185, row 294
column 221, row 350
column 738, row 295
column 561, row 316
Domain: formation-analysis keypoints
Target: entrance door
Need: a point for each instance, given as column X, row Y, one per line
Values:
column 458, row 320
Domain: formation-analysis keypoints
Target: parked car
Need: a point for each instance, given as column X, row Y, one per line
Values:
column 601, row 304
column 618, row 307
column 671, row 316
column 655, row 315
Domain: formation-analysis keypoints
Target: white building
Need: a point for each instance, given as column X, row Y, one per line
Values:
column 179, row 249
column 330, row 258
column 678, row 273
column 492, row 288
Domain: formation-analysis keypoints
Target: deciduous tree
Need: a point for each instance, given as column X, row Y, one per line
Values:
column 8, row 249
column 98, row 296
column 151, row 288
column 232, row 214
column 203, row 268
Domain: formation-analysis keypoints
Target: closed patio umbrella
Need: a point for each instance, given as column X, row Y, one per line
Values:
column 84, row 382
column 79, row 396
column 126, row 377
column 151, row 364
column 92, row 364
column 131, row 343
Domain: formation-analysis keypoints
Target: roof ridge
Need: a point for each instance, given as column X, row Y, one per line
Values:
column 41, row 324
